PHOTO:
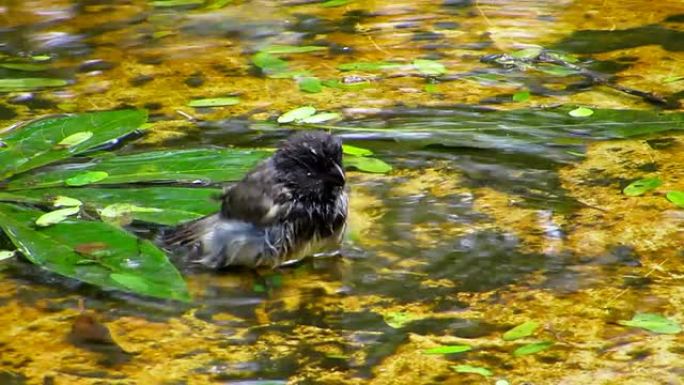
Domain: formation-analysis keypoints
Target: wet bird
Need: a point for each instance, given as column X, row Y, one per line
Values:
column 289, row 206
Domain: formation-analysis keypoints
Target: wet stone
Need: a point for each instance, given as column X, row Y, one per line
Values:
column 7, row 113
column 96, row 65
column 194, row 80
column 446, row 25
column 427, row 36
column 140, row 80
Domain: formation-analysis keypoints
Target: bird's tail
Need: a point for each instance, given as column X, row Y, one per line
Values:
column 190, row 233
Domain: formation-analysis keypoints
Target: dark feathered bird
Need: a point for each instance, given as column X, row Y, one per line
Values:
column 289, row 206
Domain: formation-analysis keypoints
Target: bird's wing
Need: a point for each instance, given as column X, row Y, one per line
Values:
column 259, row 198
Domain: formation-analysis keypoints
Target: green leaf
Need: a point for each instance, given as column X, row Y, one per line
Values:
column 118, row 252
column 75, row 139
column 398, row 320
column 642, row 186
column 525, row 329
column 27, row 84
column 214, row 102
column 118, row 209
column 334, row 83
column 527, row 53
column 653, row 322
column 532, row 348
column 431, row 88
column 348, row 149
column 449, row 349
column 268, row 63
column 64, row 201
column 57, row 216
column 176, row 3
column 472, row 369
column 172, row 205
column 285, row 49
column 429, row 67
column 297, row 114
column 6, row 254
column 180, row 166
column 321, row 117
column 367, row 164
column 27, row 67
column 217, row 4
column 34, row 144
column 334, row 3
column 86, row 178
column 676, row 197
column 581, row 112
column 368, row 66
column 521, row 96
column 310, row 84
column 672, row 79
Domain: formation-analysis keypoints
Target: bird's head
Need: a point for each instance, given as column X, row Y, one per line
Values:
column 310, row 163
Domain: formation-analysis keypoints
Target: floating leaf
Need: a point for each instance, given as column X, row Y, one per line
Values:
column 176, row 3
column 525, row 329
column 296, row 114
column 30, row 84
column 171, row 205
column 75, row 139
column 653, row 322
column 27, row 67
column 180, row 166
column 354, row 86
column 581, row 112
column 214, row 102
column 322, row 117
column 335, row 3
column 367, row 164
column 398, row 320
column 33, row 145
column 449, row 349
column 57, row 216
column 642, row 186
column 532, row 348
column 64, row 201
column 86, row 178
column 502, row 382
column 54, row 248
column 368, row 66
column 268, row 63
column 676, row 197
column 285, row 49
column 472, row 369
column 429, row 67
column 6, row 254
column 521, row 96
column 527, row 53
column 348, row 149
column 310, row 84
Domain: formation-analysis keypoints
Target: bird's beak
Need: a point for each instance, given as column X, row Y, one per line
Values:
column 337, row 175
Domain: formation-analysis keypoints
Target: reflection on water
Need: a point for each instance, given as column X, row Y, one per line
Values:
column 490, row 216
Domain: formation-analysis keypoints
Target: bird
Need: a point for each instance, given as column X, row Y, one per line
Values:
column 289, row 206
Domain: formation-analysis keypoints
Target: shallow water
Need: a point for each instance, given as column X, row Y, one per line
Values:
column 496, row 212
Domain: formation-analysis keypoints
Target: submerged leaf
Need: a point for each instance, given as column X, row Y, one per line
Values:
column 449, row 349
column 36, row 143
column 532, row 348
column 525, row 329
column 642, row 186
column 472, row 369
column 367, row 164
column 296, row 114
column 30, row 84
column 57, row 216
column 653, row 322
column 676, row 197
column 368, row 66
column 214, row 102
column 335, row 3
column 429, row 67
column 521, row 96
column 310, row 84
column 398, row 320
column 86, row 178
column 54, row 248
column 180, row 166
